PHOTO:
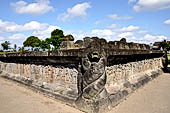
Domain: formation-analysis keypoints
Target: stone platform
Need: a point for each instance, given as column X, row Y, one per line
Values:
column 93, row 77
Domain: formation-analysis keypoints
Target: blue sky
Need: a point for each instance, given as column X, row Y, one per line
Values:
column 143, row 21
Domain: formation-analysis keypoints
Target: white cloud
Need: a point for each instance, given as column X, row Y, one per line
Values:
column 17, row 37
column 151, row 5
column 147, row 39
column 142, row 37
column 34, row 25
column 2, row 38
column 103, row 33
column 131, row 1
column 41, row 30
column 78, row 35
column 110, row 34
column 78, row 10
column 130, row 28
column 10, row 27
column 37, row 8
column 142, row 31
column 116, row 17
column 6, row 26
column 45, row 33
column 154, row 38
column 167, row 22
column 125, row 35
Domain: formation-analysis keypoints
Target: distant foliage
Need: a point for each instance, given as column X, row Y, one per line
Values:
column 56, row 39
column 164, row 45
column 54, row 42
column 32, row 41
column 6, row 45
column 45, row 44
column 22, row 50
column 15, row 48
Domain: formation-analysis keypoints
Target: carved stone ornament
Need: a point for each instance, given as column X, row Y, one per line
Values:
column 92, row 80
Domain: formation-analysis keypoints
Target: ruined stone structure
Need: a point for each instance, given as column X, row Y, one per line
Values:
column 68, row 43
column 93, row 77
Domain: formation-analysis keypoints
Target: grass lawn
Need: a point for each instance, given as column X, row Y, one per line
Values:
column 168, row 57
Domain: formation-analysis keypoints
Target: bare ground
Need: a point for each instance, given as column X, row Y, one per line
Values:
column 154, row 97
column 14, row 98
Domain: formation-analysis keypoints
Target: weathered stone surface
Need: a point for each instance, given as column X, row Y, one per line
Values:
column 119, row 75
column 59, row 78
column 91, row 82
column 96, row 75
column 68, row 38
column 67, row 45
column 121, row 80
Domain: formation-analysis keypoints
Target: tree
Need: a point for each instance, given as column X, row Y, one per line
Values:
column 164, row 45
column 15, row 48
column 57, row 37
column 32, row 41
column 6, row 45
column 45, row 44
column 21, row 49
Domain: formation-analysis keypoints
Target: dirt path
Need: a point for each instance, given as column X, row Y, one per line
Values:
column 154, row 97
column 15, row 98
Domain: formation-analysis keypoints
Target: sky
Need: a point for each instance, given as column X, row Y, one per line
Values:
column 141, row 21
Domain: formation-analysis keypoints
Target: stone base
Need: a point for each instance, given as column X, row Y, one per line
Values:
column 93, row 106
column 104, row 105
column 90, row 106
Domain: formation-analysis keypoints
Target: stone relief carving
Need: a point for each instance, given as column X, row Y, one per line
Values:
column 92, row 78
column 124, row 72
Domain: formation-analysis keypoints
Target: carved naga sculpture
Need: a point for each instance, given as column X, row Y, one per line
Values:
column 92, row 78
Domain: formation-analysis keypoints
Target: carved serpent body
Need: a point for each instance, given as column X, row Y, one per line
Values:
column 92, row 77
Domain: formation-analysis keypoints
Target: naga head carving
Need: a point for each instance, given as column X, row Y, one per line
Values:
column 94, row 56
column 93, row 75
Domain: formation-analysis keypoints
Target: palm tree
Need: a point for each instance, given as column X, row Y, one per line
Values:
column 15, row 48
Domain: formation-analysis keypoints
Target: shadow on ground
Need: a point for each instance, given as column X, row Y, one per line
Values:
column 168, row 69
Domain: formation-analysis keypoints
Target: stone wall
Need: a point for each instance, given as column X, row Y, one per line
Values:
column 121, row 80
column 60, row 79
column 64, row 78
column 118, row 75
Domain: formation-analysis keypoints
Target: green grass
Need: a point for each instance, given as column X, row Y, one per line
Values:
column 168, row 55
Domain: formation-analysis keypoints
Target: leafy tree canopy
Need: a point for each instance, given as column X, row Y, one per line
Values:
column 45, row 44
column 32, row 41
column 57, row 37
column 164, row 45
